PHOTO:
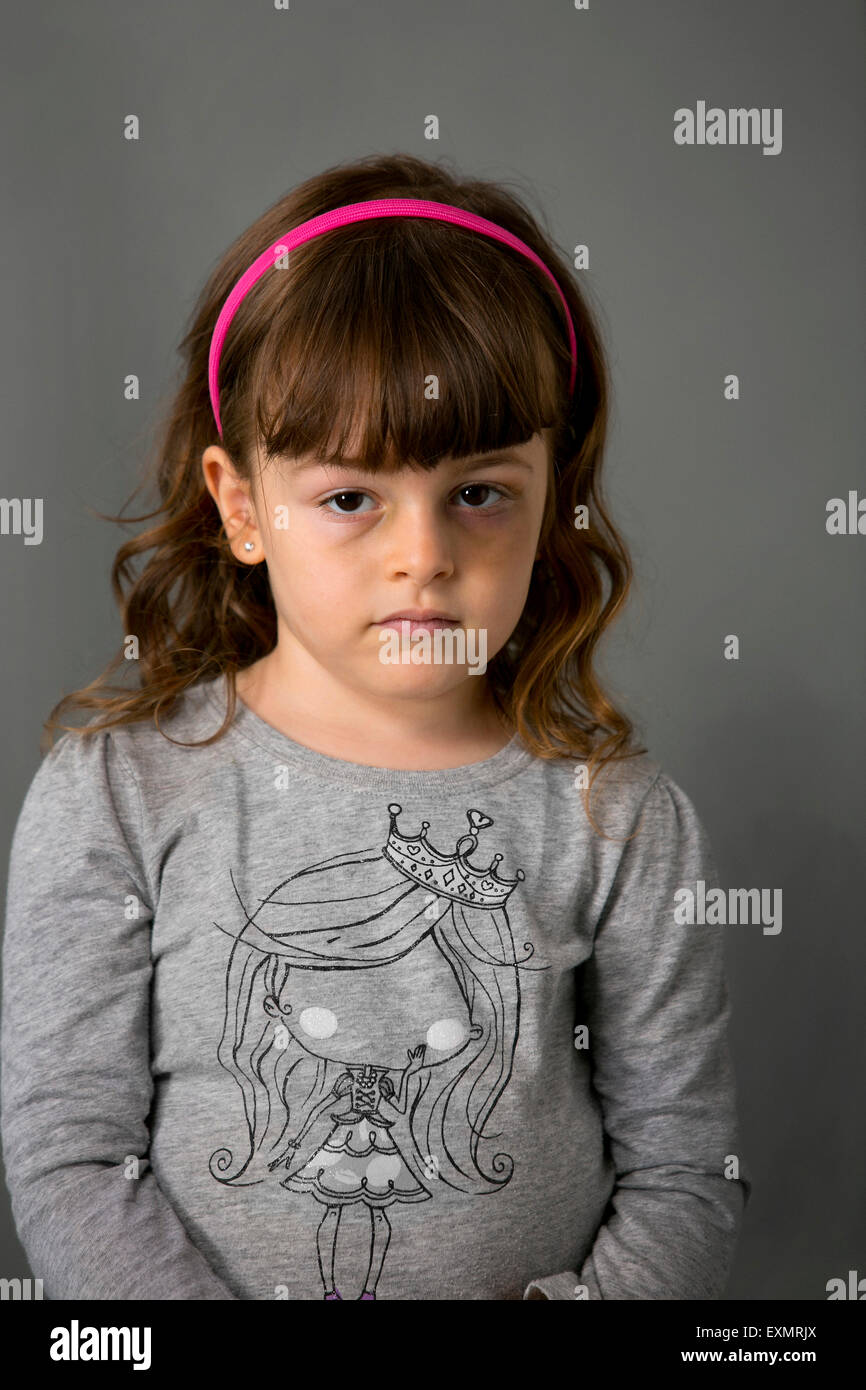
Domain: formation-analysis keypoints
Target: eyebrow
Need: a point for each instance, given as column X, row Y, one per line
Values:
column 477, row 461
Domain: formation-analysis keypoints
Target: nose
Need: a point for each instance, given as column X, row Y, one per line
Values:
column 419, row 546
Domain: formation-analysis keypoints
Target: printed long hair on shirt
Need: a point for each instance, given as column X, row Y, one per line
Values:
column 353, row 913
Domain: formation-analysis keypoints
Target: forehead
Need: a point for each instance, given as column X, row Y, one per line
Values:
column 528, row 453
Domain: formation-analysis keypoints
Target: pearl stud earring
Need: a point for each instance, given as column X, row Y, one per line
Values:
column 249, row 545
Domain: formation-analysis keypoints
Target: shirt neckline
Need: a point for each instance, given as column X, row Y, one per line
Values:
column 506, row 763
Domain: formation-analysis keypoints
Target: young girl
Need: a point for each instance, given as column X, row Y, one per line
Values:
column 325, row 977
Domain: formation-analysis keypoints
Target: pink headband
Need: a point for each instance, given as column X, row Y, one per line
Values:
column 359, row 212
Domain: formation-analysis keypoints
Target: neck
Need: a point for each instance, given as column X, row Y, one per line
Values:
column 297, row 696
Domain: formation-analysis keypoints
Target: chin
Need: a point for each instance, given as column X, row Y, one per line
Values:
column 419, row 680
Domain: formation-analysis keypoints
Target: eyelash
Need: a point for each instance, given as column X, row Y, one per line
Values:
column 359, row 492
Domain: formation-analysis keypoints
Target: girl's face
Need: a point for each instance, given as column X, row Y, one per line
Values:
column 378, row 1014
column 346, row 550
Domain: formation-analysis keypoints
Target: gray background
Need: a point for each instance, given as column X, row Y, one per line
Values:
column 705, row 261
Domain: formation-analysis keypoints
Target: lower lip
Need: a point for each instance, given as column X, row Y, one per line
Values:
column 413, row 625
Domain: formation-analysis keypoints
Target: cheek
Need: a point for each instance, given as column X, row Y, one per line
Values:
column 500, row 561
column 311, row 580
column 504, row 541
column 499, row 583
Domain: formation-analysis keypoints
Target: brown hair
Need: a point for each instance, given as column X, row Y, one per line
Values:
column 338, row 343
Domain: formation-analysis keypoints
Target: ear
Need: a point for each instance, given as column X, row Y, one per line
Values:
column 234, row 502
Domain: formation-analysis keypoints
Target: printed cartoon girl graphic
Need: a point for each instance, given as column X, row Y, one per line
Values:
column 372, row 1013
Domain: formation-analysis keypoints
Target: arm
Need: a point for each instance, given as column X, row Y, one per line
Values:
column 292, row 1144
column 655, row 998
column 76, row 1080
column 415, row 1063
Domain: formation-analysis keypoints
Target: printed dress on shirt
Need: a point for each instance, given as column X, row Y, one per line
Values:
column 372, row 1018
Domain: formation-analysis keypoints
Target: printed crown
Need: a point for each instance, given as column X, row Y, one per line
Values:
column 450, row 875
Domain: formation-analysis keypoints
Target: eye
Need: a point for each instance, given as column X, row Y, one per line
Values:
column 339, row 497
column 476, row 488
column 347, row 501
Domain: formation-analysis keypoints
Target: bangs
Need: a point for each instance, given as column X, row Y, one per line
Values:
column 361, row 321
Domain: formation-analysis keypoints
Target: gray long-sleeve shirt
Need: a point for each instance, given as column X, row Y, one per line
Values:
column 275, row 1023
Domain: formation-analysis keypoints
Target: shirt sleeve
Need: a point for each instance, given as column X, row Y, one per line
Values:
column 75, row 1044
column 656, row 1002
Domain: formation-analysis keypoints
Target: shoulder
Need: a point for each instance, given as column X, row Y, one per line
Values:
column 646, row 802
column 618, row 788
column 80, row 772
column 664, row 838
column 173, row 743
column 96, row 770
column 632, row 802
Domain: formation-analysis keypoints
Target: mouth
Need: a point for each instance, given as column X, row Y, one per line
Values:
column 416, row 621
